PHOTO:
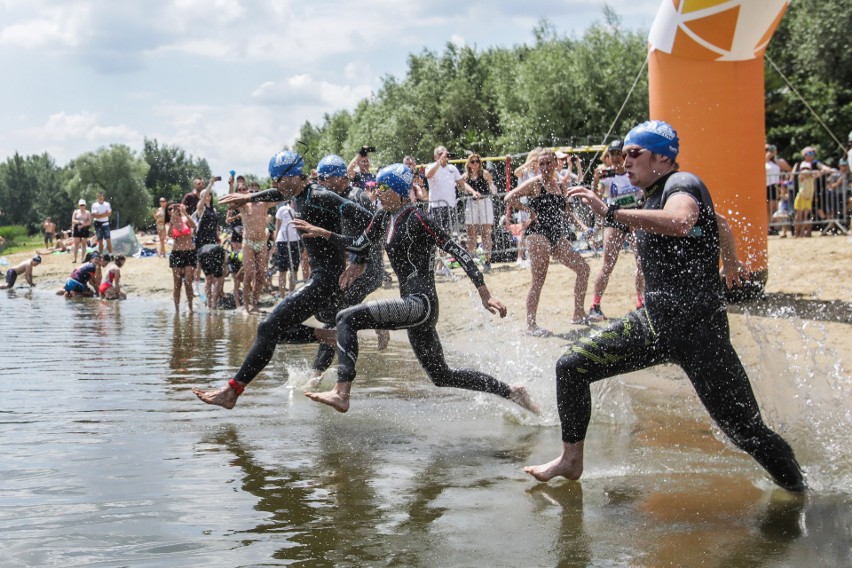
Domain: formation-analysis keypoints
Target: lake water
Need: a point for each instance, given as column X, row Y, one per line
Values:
column 109, row 460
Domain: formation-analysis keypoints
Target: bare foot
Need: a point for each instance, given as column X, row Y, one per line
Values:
column 568, row 465
column 332, row 398
column 226, row 397
column 313, row 383
column 521, row 397
column 535, row 331
column 383, row 336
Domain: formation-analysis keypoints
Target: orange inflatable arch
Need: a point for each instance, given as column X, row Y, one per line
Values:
column 705, row 76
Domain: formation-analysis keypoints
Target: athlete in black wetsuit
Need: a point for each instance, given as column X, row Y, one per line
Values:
column 331, row 171
column 684, row 321
column 315, row 206
column 410, row 238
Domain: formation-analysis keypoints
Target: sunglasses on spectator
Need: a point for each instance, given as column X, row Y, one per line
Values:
column 475, row 162
column 634, row 152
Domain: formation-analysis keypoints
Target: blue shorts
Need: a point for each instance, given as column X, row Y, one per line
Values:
column 102, row 231
column 11, row 278
column 74, row 286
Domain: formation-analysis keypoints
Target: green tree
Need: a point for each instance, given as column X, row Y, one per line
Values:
column 31, row 189
column 171, row 170
column 120, row 174
column 812, row 48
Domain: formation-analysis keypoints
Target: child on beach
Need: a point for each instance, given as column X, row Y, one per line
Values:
column 110, row 288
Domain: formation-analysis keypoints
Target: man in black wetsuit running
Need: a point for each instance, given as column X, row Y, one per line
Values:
column 331, row 171
column 316, row 206
column 410, row 239
column 684, row 321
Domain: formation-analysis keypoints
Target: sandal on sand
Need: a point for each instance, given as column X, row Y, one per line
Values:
column 538, row 332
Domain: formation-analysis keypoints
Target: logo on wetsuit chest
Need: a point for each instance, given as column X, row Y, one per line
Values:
column 695, row 232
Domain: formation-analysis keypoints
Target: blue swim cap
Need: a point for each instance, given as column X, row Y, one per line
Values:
column 397, row 177
column 331, row 166
column 285, row 164
column 655, row 135
column 37, row 258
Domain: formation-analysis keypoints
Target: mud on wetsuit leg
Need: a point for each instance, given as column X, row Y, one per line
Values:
column 417, row 313
column 704, row 351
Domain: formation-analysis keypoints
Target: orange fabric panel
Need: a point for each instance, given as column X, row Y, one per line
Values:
column 718, row 110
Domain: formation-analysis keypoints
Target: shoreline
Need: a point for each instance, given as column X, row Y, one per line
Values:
column 816, row 268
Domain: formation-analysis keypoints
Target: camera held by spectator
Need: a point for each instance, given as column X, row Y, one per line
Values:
column 366, row 150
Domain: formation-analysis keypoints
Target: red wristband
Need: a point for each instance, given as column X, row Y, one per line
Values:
column 236, row 386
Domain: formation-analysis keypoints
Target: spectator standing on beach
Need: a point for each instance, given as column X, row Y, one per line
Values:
column 358, row 169
column 190, row 200
column 101, row 211
column 419, row 191
column 519, row 218
column 254, row 247
column 288, row 249
column 160, row 222
column 775, row 167
column 49, row 228
column 680, row 239
column 81, row 223
column 213, row 262
column 444, row 179
column 549, row 235
column 25, row 268
column 617, row 190
column 183, row 258
column 814, row 190
column 479, row 208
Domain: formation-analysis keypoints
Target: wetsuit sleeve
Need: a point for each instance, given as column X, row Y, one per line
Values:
column 451, row 247
column 359, row 247
column 358, row 216
column 271, row 195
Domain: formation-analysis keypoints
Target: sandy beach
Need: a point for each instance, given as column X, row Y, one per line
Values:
column 809, row 280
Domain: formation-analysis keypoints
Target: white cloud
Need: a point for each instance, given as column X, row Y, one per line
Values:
column 240, row 137
column 306, row 92
column 62, row 126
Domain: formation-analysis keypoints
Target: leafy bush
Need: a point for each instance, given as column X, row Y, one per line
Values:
column 12, row 232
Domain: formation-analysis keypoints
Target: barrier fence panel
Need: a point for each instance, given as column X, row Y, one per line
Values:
column 802, row 201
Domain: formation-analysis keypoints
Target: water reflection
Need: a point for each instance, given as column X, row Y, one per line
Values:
column 109, row 459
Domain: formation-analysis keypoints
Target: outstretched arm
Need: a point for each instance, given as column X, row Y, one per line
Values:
column 733, row 270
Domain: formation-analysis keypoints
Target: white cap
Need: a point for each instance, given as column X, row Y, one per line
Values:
column 81, row 202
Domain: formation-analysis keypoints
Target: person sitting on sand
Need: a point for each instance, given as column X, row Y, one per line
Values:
column 25, row 268
column 110, row 288
column 410, row 241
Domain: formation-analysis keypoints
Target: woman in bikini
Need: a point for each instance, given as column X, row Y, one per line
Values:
column 549, row 235
column 183, row 259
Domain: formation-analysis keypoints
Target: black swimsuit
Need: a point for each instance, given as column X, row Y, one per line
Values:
column 550, row 220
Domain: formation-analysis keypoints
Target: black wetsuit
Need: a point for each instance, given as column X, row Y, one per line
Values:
column 685, row 322
column 550, row 220
column 366, row 284
column 410, row 238
column 327, row 258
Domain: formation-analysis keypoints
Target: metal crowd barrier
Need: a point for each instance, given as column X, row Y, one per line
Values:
column 829, row 204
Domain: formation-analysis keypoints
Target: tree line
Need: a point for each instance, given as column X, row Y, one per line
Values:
column 558, row 91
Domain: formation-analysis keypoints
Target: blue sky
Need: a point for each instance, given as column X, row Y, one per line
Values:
column 231, row 80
